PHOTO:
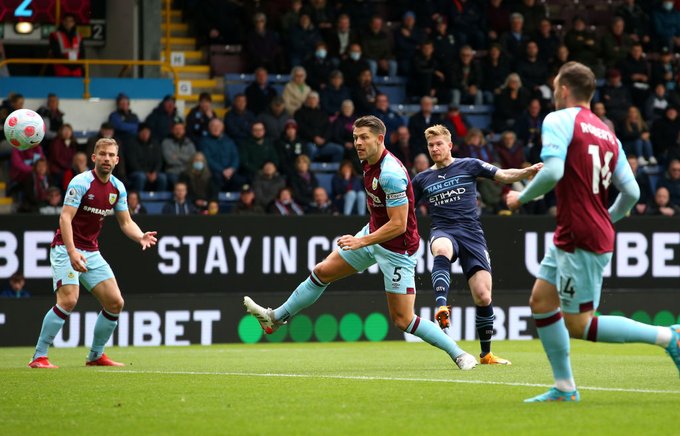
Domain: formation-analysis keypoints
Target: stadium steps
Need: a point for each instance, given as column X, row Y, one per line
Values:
column 180, row 28
column 180, row 43
column 5, row 202
column 193, row 98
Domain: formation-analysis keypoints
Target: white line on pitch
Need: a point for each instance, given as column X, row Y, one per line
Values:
column 359, row 377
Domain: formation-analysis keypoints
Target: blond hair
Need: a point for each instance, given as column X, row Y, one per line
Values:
column 105, row 142
column 437, row 130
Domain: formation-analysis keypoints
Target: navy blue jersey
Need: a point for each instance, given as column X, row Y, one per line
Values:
column 451, row 192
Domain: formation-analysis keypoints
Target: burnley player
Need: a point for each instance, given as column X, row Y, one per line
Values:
column 582, row 157
column 390, row 239
column 75, row 257
column 449, row 188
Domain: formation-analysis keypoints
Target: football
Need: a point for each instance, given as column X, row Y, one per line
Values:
column 24, row 129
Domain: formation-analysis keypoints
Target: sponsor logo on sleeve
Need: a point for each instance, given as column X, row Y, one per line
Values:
column 396, row 196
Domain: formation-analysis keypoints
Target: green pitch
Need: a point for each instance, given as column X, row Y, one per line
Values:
column 336, row 388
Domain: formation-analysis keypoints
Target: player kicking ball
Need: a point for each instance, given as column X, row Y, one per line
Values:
column 449, row 188
column 582, row 157
column 75, row 256
column 390, row 239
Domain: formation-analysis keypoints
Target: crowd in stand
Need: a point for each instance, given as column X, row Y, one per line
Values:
column 451, row 53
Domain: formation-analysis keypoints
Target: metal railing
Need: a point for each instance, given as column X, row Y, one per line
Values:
column 164, row 65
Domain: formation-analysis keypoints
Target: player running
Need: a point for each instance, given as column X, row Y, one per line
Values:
column 75, row 256
column 450, row 189
column 582, row 157
column 390, row 239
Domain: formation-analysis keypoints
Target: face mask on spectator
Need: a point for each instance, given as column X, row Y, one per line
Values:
column 198, row 165
column 668, row 5
column 321, row 54
column 355, row 55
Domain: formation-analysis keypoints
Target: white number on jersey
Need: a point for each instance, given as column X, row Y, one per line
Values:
column 601, row 172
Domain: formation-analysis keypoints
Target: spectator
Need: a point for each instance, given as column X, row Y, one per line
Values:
column 496, row 69
column 52, row 116
column 296, row 91
column 334, row 94
column 199, row 180
column 274, row 118
column 318, row 67
column 178, row 150
column 637, row 23
column 212, row 209
column 547, row 41
column 656, row 103
column 238, row 120
column 665, row 70
column 340, row 39
column 34, row 187
column 342, row 129
column 407, row 39
column 145, row 162
column 671, row 180
column 534, row 73
column 199, row 117
column 125, row 122
column 52, row 205
column 303, row 182
column 616, row 97
column 420, row 163
column 662, row 204
column 180, row 204
column 421, row 120
column 246, row 204
column 134, row 205
column 513, row 41
column 267, row 184
column 78, row 165
column 321, row 205
column 222, row 157
column 17, row 282
column 615, row 44
column 21, row 163
column 289, row 147
column 497, row 18
column 314, row 129
column 664, row 134
column 62, row 150
column 468, row 23
column 601, row 112
column 445, row 47
column 390, row 118
column 510, row 103
column 364, row 93
column 66, row 43
column 457, row 124
column 533, row 13
column 348, row 190
column 510, row 151
column 583, row 46
column 635, row 136
column 284, row 204
column 322, row 14
column 255, row 151
column 162, row 118
column 466, row 79
column 476, row 147
column 302, row 39
column 219, row 22
column 403, row 149
column 263, row 46
column 666, row 22
column 635, row 72
column 528, row 130
column 377, row 49
column 291, row 17
column 106, row 131
column 353, row 65
column 561, row 58
column 427, row 75
column 260, row 93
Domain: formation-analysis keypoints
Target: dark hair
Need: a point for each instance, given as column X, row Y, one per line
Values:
column 375, row 125
column 204, row 96
column 106, row 125
column 579, row 79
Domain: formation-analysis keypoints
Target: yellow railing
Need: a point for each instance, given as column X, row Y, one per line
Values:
column 165, row 66
column 167, row 33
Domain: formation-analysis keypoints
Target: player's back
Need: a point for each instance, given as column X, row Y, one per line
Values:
column 592, row 151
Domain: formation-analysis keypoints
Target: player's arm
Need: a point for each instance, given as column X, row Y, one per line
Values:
column 391, row 229
column 629, row 191
column 512, row 175
column 65, row 219
column 132, row 230
column 544, row 182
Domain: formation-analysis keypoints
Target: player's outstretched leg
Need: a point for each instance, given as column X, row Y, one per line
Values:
column 52, row 323
column 265, row 316
column 441, row 281
column 673, row 348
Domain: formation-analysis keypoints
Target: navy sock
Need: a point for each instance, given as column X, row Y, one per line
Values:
column 441, row 279
column 484, row 324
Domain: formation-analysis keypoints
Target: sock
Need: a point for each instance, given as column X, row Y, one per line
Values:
column 433, row 335
column 53, row 322
column 618, row 329
column 484, row 324
column 304, row 295
column 103, row 329
column 555, row 339
column 441, row 279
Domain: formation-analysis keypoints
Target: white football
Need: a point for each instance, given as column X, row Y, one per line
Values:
column 24, row 129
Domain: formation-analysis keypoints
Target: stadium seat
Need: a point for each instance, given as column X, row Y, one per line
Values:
column 155, row 196
column 154, row 207
column 327, row 167
column 325, row 181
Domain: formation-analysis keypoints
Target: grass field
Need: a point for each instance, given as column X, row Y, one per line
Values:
column 336, row 388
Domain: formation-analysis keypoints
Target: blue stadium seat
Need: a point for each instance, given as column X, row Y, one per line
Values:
column 154, row 207
column 327, row 167
column 325, row 181
column 228, row 197
column 161, row 196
